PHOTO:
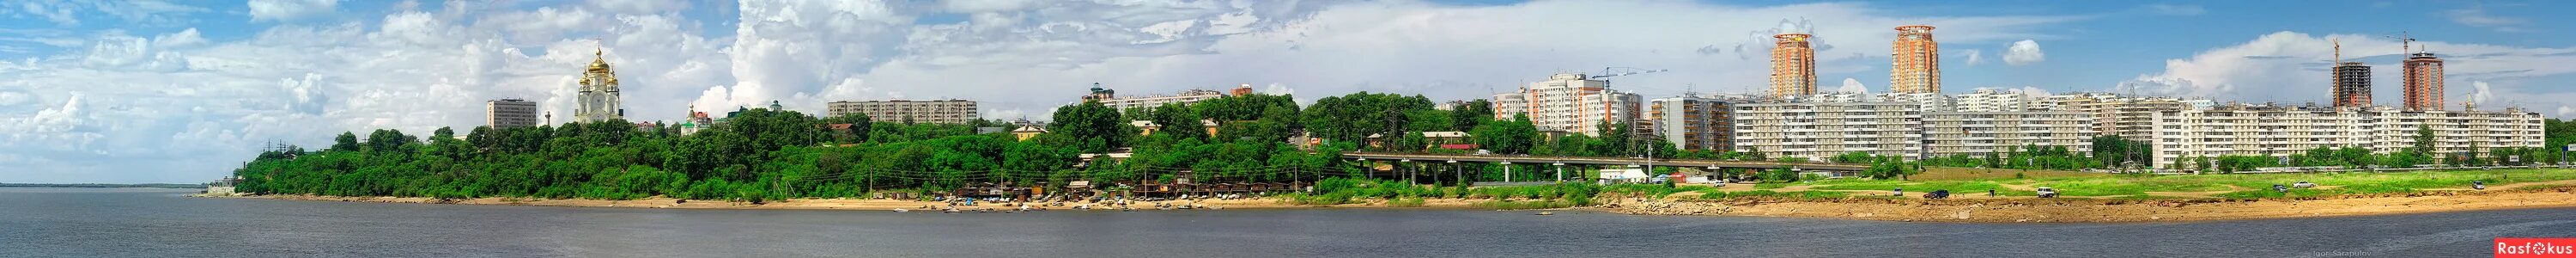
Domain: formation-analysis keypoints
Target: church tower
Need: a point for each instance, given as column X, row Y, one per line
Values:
column 599, row 98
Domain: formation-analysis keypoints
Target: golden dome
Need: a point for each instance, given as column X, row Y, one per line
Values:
column 598, row 59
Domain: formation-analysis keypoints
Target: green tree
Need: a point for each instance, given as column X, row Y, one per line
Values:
column 2423, row 139
column 1516, row 136
column 345, row 142
column 1095, row 128
column 1353, row 117
column 1179, row 121
column 860, row 127
column 1471, row 114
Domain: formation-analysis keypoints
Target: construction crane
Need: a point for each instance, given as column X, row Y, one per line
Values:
column 2405, row 44
column 1608, row 72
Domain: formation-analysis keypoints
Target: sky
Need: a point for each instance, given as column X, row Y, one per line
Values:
column 135, row 91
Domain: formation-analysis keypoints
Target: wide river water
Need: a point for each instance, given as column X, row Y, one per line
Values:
column 74, row 222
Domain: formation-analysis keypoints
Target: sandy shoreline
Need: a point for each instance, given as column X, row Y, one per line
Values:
column 1959, row 210
column 2106, row 210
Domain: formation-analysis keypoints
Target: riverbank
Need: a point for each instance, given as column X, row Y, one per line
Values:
column 1955, row 210
column 2103, row 210
column 1977, row 196
column 846, row 204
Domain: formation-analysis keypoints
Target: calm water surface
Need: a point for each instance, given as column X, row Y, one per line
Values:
column 67, row 222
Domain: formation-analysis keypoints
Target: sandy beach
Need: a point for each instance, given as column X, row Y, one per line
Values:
column 2104, row 210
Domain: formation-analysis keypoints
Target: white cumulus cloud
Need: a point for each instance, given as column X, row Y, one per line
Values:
column 289, row 10
column 183, row 102
column 1852, row 85
column 2024, row 52
column 1975, row 56
column 2265, row 68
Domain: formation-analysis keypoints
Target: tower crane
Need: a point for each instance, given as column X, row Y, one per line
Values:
column 2405, row 44
column 1608, row 72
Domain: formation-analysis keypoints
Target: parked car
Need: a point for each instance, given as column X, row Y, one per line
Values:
column 2045, row 192
column 2304, row 184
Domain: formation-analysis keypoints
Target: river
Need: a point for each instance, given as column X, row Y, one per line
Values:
column 90, row 222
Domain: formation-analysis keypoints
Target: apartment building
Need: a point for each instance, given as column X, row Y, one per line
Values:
column 1980, row 133
column 1692, row 122
column 510, row 113
column 1820, row 130
column 952, row 111
column 1931, row 101
column 2128, row 117
column 1569, row 102
column 1109, row 97
column 1990, row 100
column 1150, row 101
column 2280, row 131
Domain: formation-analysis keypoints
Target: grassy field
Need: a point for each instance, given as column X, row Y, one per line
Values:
column 1951, row 173
column 2137, row 186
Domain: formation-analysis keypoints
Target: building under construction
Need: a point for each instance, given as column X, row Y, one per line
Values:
column 2423, row 82
column 1917, row 61
column 2351, row 81
column 2351, row 85
column 1793, row 66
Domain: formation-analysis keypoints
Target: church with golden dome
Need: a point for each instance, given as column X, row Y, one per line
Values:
column 598, row 100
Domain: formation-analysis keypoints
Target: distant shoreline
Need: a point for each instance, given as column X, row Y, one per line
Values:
column 170, row 186
column 2073, row 210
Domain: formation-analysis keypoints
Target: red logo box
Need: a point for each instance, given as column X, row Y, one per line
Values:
column 2535, row 247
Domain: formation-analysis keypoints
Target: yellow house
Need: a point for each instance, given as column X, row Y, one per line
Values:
column 1027, row 131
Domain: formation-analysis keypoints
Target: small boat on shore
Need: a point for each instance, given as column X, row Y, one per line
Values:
column 1546, row 213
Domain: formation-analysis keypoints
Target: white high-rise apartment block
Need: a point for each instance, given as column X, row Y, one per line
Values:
column 1979, row 133
column 1570, row 102
column 953, row 111
column 2280, row 131
column 1692, row 122
column 1990, row 100
column 1818, row 131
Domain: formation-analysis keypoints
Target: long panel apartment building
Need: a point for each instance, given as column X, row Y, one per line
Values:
column 1110, row 98
column 1977, row 134
column 1817, row 130
column 953, row 111
column 2280, row 131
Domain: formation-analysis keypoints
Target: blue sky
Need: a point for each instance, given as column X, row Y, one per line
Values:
column 180, row 91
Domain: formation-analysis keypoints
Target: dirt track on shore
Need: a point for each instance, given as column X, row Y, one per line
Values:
column 1955, row 210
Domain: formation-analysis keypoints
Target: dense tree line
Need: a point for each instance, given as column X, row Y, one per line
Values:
column 760, row 154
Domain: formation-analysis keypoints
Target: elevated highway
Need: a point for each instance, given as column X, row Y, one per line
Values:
column 1520, row 159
